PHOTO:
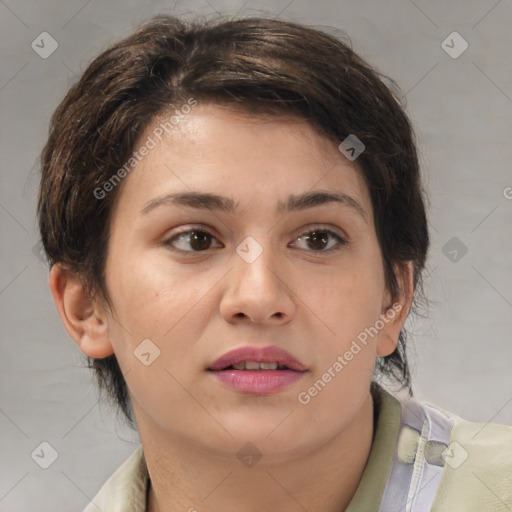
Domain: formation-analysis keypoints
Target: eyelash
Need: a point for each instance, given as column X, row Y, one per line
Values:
column 340, row 240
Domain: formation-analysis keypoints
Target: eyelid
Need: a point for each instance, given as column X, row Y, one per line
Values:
column 190, row 229
column 308, row 228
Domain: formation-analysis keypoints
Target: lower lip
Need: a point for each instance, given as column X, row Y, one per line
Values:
column 258, row 382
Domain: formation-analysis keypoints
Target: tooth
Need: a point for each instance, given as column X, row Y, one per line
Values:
column 254, row 365
column 268, row 366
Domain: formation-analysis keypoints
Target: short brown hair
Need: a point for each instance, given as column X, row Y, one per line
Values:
column 263, row 66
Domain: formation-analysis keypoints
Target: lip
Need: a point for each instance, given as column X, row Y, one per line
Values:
column 259, row 382
column 267, row 354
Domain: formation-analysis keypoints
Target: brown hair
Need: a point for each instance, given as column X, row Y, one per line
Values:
column 263, row 66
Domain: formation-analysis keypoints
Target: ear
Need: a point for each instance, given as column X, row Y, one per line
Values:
column 84, row 319
column 395, row 310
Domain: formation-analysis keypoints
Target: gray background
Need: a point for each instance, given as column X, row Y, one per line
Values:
column 462, row 110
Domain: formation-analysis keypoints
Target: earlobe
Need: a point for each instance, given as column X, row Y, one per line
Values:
column 84, row 319
column 395, row 311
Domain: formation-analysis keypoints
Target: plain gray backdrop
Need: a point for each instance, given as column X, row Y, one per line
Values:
column 461, row 105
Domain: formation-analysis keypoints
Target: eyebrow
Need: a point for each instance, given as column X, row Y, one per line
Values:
column 208, row 201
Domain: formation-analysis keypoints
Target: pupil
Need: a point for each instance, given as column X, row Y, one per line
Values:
column 200, row 240
column 317, row 240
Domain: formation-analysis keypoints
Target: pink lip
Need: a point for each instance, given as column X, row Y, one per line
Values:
column 260, row 382
column 268, row 354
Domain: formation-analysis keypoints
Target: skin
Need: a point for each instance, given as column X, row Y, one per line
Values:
column 196, row 306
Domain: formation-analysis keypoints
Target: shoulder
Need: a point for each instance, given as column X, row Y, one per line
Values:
column 125, row 490
column 477, row 472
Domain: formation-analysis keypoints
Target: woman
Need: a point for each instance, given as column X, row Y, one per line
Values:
column 235, row 223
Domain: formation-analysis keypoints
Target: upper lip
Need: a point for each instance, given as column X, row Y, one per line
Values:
column 269, row 354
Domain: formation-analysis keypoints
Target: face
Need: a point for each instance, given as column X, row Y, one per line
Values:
column 197, row 277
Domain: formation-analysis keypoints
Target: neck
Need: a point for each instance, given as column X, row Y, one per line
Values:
column 185, row 477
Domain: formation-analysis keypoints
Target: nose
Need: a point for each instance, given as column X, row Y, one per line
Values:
column 258, row 292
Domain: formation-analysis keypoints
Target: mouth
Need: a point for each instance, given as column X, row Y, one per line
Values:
column 251, row 358
column 255, row 366
column 257, row 371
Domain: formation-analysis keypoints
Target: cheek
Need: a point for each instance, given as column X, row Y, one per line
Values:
column 150, row 296
column 155, row 300
column 346, row 298
column 346, row 304
column 345, row 301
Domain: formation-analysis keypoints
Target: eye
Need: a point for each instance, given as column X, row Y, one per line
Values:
column 320, row 240
column 199, row 240
column 194, row 240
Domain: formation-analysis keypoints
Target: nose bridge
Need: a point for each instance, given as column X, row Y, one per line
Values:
column 256, row 290
column 255, row 265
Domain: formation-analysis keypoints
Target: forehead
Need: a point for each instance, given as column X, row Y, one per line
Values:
column 253, row 159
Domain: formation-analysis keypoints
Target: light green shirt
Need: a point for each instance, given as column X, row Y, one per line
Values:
column 482, row 482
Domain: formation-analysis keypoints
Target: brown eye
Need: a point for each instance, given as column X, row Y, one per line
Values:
column 319, row 240
column 192, row 241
